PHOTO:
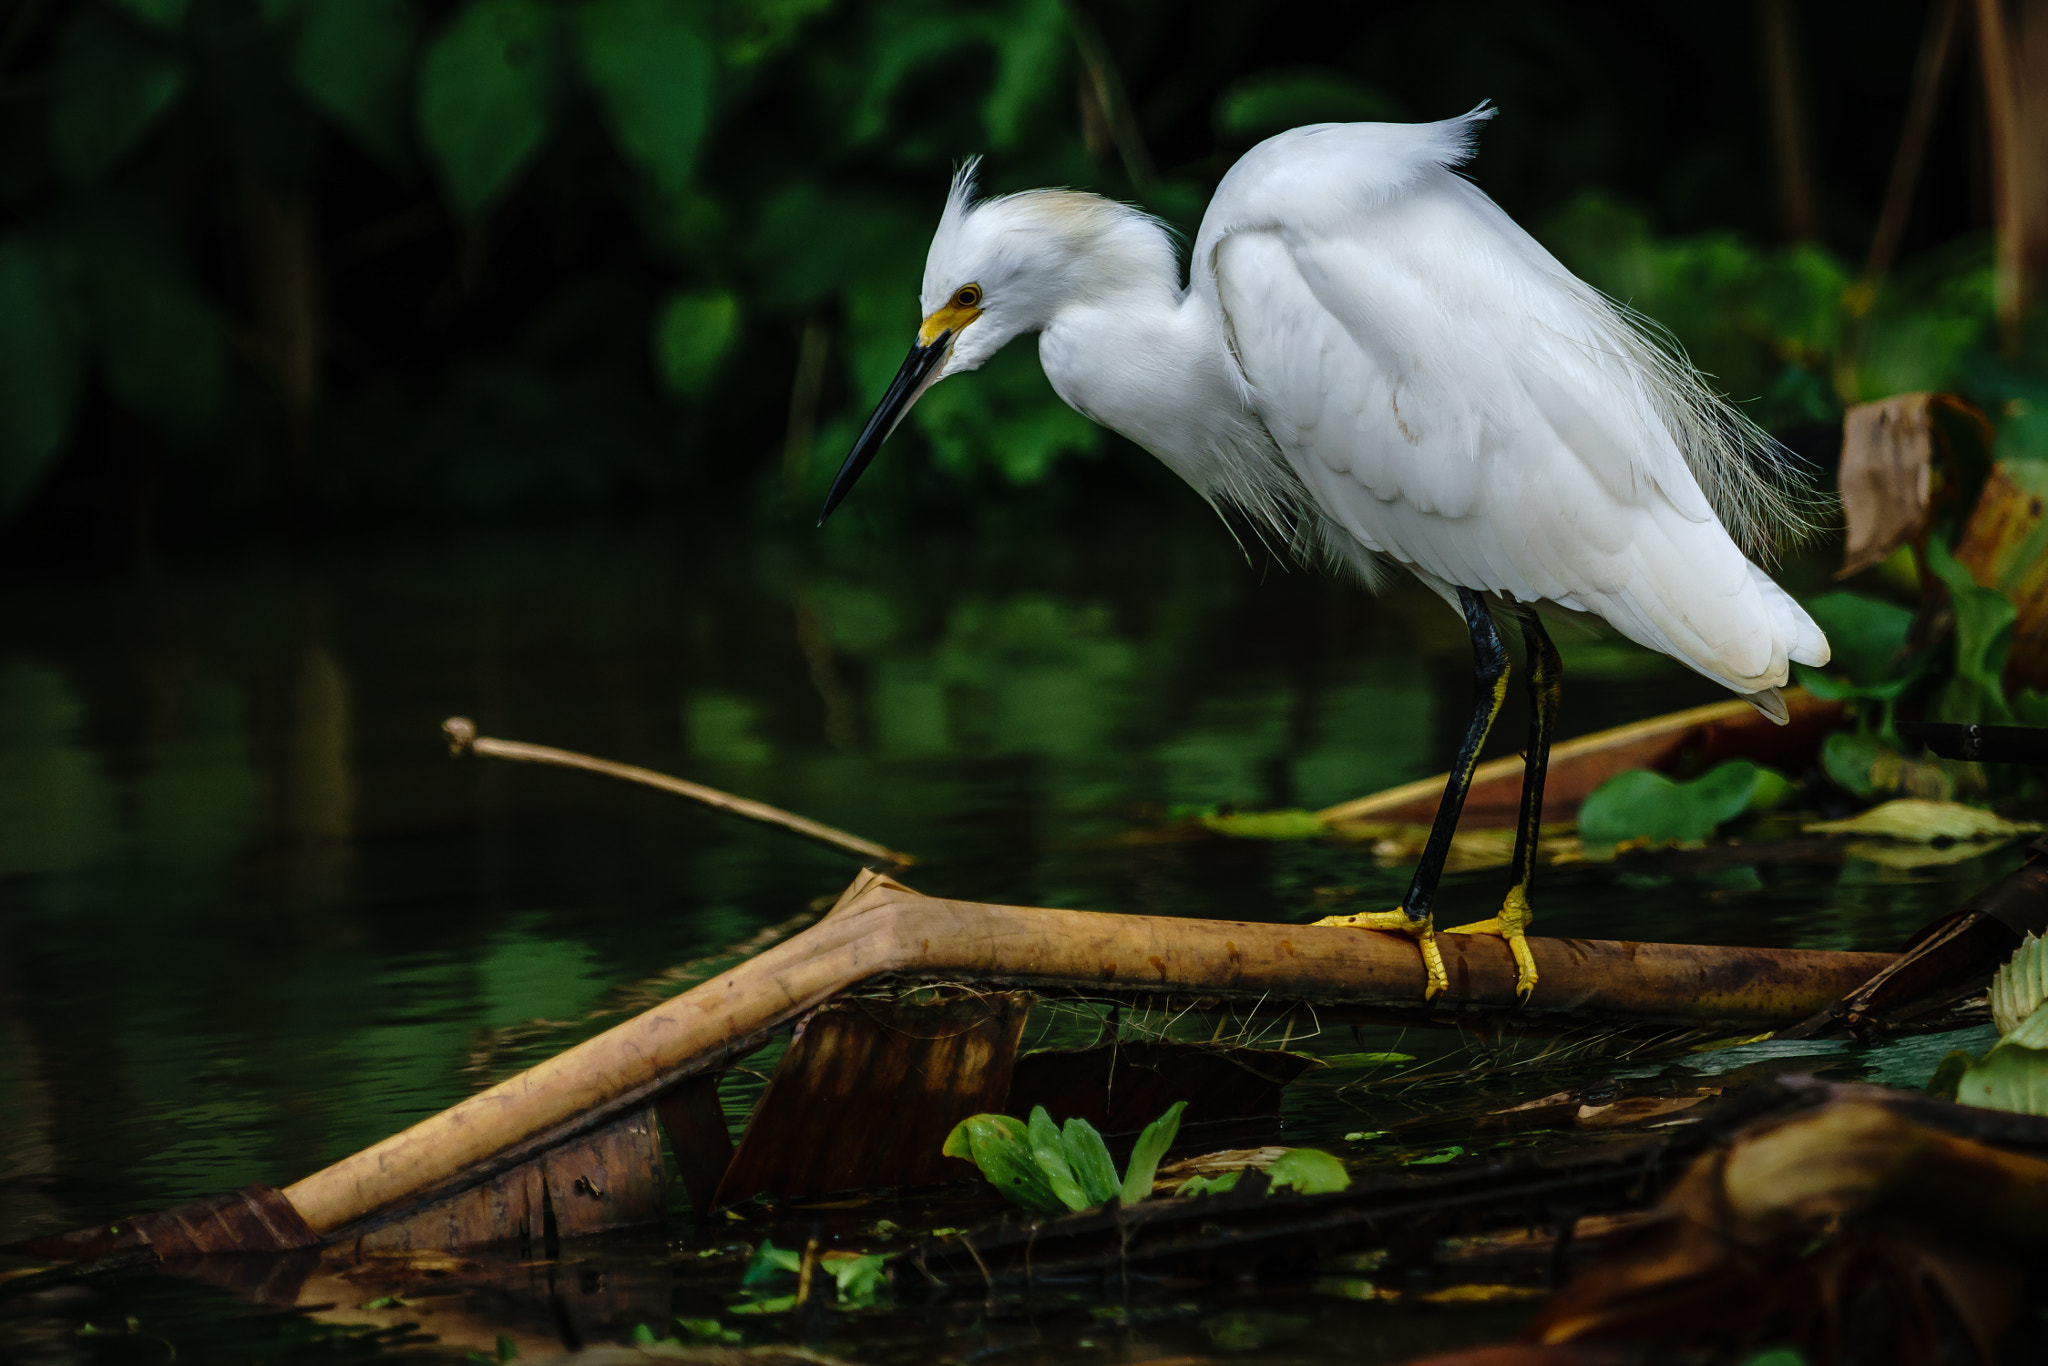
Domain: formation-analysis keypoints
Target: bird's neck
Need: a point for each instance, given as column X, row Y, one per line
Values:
column 1148, row 360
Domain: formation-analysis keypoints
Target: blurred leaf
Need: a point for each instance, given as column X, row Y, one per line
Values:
column 1275, row 101
column 1975, row 692
column 1866, row 634
column 858, row 1275
column 692, row 334
column 757, row 29
column 1006, row 418
column 1865, row 766
column 1268, row 825
column 487, row 89
column 1914, row 819
column 1152, row 1145
column 1031, row 42
column 1640, row 804
column 354, row 64
column 156, row 334
column 1013, row 48
column 768, row 1262
column 41, row 336
column 166, row 16
column 1209, row 1185
column 652, row 69
column 112, row 85
column 1308, row 1171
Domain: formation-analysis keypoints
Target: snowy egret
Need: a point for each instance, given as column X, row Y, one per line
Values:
column 1374, row 363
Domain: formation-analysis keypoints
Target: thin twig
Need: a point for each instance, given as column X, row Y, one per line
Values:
column 463, row 739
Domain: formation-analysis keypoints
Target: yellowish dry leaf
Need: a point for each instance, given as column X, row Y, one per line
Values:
column 1911, row 818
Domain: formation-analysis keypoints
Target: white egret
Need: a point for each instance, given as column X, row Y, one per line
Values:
column 1373, row 361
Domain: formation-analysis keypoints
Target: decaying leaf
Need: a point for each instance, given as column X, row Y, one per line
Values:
column 1911, row 818
column 2000, row 546
column 1889, row 475
column 1847, row 1230
column 2021, row 985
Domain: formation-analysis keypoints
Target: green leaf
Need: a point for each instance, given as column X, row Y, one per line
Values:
column 41, row 352
column 770, row 1261
column 2011, row 1077
column 1209, row 1185
column 1268, row 825
column 1643, row 805
column 1865, row 634
column 652, row 68
column 487, row 92
column 1088, row 1157
column 1152, row 1145
column 166, row 16
column 1975, row 694
column 643, row 1336
column 353, row 63
column 1275, row 101
column 1051, row 1157
column 1437, row 1158
column 709, row 1330
column 692, row 334
column 858, row 1277
column 112, row 85
column 1366, row 1060
column 1308, row 1171
column 1001, row 1147
column 781, row 1304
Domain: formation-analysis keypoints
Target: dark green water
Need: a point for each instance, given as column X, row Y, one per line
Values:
column 253, row 917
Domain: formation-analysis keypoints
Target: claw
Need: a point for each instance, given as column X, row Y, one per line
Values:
column 1512, row 924
column 1398, row 921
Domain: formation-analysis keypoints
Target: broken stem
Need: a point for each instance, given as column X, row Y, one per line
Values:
column 463, row 739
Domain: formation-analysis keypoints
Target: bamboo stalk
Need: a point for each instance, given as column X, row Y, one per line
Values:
column 881, row 927
column 1930, row 80
column 1579, row 765
column 463, row 739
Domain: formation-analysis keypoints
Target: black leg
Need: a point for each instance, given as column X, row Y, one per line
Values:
column 1546, row 684
column 1489, row 690
column 1546, row 674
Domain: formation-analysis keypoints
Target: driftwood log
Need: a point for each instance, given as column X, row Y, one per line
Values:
column 881, row 930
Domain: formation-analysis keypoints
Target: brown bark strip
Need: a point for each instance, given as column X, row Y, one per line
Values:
column 882, row 928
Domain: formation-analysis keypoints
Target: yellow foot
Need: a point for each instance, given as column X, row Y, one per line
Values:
column 1435, row 979
column 1512, row 924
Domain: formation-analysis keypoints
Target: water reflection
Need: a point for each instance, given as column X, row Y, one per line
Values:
column 253, row 917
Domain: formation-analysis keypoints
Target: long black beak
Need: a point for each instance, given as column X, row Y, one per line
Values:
column 903, row 391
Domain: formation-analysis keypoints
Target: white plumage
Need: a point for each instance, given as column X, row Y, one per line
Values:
column 1371, row 358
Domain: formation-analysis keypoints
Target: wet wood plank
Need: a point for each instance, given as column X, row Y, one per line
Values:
column 868, row 1091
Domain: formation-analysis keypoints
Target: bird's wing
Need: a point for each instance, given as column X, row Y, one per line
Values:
column 1455, row 400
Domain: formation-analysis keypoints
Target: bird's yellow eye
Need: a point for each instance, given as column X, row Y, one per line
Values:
column 969, row 296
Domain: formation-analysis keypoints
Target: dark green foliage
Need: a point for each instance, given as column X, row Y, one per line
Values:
column 488, row 87
column 40, row 354
column 728, row 175
column 112, row 84
column 353, row 61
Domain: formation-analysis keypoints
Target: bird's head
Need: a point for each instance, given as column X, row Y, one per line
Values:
column 999, row 268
